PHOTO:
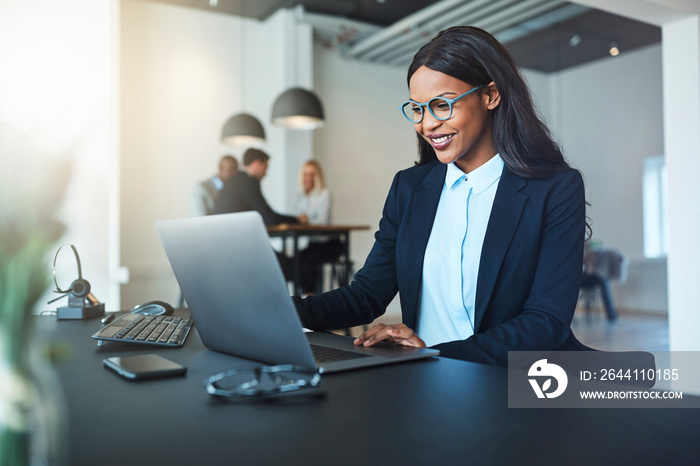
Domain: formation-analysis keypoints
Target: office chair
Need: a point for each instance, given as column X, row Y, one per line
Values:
column 600, row 267
column 594, row 287
column 341, row 273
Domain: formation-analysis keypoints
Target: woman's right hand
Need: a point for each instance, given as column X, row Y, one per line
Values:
column 399, row 334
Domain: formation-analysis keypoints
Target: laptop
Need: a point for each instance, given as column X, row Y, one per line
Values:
column 239, row 301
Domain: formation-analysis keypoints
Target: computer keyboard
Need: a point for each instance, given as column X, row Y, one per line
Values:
column 324, row 354
column 152, row 330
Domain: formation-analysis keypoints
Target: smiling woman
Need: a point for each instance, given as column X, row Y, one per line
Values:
column 521, row 138
column 484, row 237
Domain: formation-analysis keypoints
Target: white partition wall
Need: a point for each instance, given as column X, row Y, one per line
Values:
column 681, row 48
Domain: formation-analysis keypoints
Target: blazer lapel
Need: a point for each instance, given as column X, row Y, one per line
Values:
column 423, row 209
column 505, row 216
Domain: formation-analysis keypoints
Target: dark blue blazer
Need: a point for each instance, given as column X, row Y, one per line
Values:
column 529, row 274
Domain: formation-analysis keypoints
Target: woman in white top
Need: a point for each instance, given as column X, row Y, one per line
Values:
column 315, row 202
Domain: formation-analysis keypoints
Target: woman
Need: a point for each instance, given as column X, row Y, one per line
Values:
column 484, row 237
column 315, row 202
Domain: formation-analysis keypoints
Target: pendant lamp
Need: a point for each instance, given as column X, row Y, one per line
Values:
column 298, row 108
column 243, row 129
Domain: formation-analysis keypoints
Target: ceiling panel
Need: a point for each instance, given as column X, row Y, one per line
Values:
column 580, row 40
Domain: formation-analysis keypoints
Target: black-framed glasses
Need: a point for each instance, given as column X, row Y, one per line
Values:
column 262, row 382
column 439, row 107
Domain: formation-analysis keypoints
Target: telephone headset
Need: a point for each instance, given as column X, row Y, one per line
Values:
column 82, row 304
column 80, row 288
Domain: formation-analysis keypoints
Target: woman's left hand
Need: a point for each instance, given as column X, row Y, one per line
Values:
column 397, row 333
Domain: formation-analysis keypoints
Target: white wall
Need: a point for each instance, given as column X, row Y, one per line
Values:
column 608, row 117
column 57, row 85
column 611, row 119
column 543, row 90
column 681, row 46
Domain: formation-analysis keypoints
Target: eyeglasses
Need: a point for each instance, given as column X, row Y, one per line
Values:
column 261, row 382
column 440, row 107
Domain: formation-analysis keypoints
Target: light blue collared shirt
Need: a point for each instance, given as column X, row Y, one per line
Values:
column 218, row 183
column 451, row 261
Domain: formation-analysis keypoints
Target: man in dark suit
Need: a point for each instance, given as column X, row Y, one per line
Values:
column 242, row 193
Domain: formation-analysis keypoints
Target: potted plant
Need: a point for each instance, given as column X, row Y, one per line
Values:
column 32, row 187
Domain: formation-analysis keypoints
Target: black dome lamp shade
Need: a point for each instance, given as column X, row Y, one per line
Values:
column 298, row 108
column 243, row 129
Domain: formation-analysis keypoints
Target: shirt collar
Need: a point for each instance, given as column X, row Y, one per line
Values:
column 479, row 179
column 453, row 175
column 218, row 184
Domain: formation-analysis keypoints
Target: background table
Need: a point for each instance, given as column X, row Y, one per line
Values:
column 295, row 231
column 430, row 412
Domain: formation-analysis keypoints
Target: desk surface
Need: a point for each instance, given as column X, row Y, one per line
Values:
column 437, row 411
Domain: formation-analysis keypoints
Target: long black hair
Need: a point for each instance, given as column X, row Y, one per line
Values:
column 474, row 56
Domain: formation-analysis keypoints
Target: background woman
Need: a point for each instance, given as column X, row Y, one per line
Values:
column 483, row 238
column 315, row 202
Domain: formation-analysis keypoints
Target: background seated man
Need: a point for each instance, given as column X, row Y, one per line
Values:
column 242, row 192
column 204, row 194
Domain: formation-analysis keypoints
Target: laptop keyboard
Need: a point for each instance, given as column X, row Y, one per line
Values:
column 152, row 330
column 324, row 354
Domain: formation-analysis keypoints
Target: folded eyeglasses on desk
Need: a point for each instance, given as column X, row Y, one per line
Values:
column 152, row 330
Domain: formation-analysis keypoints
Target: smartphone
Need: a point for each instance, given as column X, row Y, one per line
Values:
column 144, row 366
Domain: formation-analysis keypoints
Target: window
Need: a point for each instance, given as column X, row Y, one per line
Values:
column 654, row 204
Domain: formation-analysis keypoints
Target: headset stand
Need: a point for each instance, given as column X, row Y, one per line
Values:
column 77, row 309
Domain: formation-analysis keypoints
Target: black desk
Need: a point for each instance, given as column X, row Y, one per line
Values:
column 431, row 412
column 297, row 230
